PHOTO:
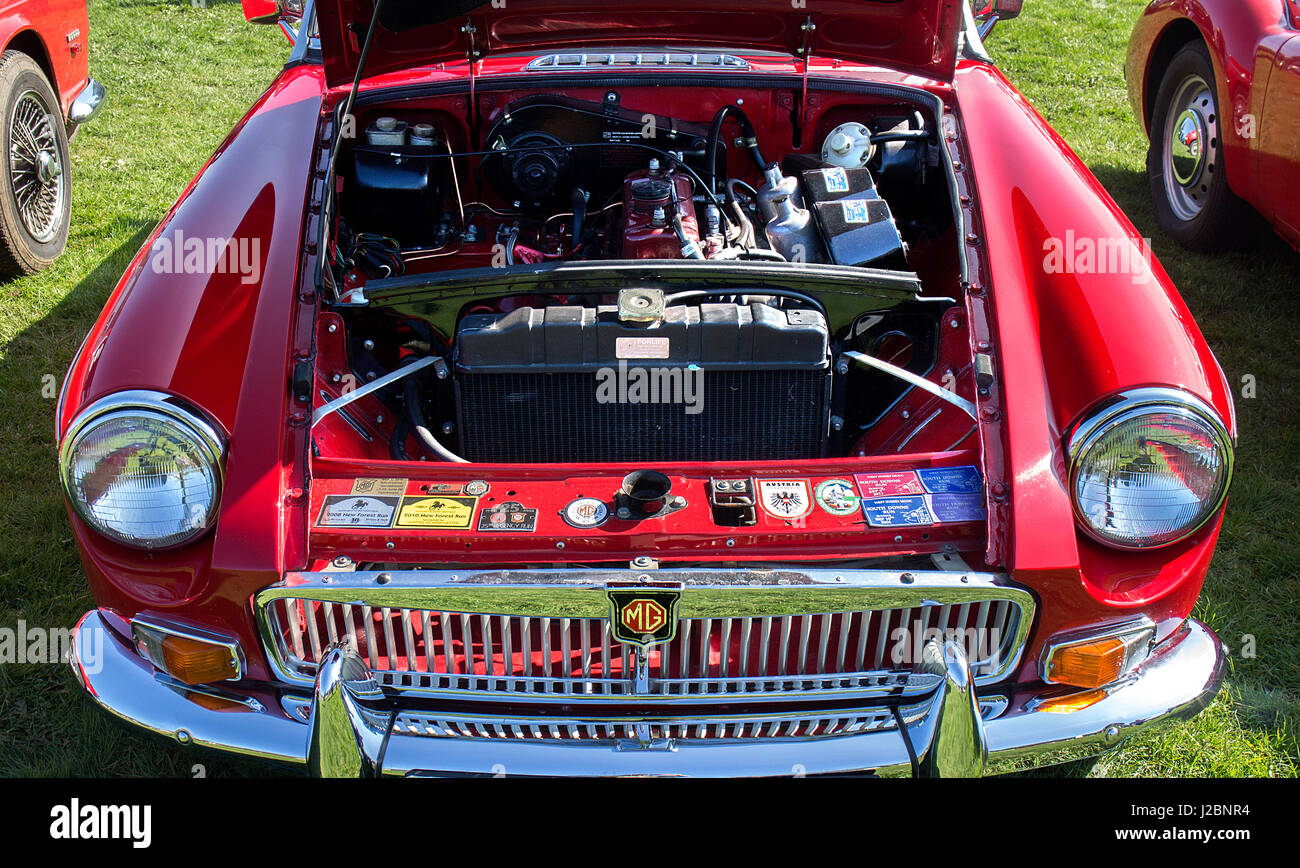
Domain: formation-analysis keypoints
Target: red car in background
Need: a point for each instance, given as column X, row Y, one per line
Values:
column 1216, row 85
column 685, row 388
column 45, row 92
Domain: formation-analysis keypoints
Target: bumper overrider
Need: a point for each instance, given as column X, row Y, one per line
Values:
column 951, row 716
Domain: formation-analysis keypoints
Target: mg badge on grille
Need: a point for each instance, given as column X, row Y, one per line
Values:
column 643, row 614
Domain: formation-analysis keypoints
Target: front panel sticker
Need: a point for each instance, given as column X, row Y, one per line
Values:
column 509, row 517
column 379, row 487
column 958, row 507
column 350, row 510
column 586, row 512
column 907, row 511
column 938, row 495
column 442, row 488
column 441, row 511
column 836, row 496
column 785, row 498
column 951, row 480
column 891, row 484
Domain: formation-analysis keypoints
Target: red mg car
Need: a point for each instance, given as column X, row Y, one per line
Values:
column 539, row 389
column 1216, row 84
column 45, row 93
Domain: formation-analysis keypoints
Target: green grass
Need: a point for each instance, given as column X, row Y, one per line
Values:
column 1067, row 57
column 180, row 77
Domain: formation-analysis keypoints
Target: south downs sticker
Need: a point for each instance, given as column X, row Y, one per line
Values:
column 921, row 510
column 889, row 484
column 440, row 511
column 351, row 510
column 931, row 495
column 785, row 498
column 951, row 480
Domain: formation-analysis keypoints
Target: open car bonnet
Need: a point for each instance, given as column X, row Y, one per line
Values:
column 918, row 36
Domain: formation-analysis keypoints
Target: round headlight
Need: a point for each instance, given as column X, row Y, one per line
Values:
column 1149, row 468
column 142, row 470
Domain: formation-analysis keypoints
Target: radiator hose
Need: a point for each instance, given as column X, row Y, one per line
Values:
column 415, row 414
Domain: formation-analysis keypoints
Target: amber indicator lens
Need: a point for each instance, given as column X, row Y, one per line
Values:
column 1072, row 702
column 1088, row 664
column 195, row 662
column 187, row 658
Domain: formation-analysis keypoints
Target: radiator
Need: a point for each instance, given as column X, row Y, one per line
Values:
column 728, row 382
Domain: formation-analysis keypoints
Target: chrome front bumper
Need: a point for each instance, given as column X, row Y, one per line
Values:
column 348, row 730
column 87, row 103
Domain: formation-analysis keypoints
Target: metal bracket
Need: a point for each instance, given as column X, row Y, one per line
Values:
column 375, row 385
column 471, row 57
column 809, row 27
column 907, row 377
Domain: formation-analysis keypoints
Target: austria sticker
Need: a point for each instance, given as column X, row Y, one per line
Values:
column 785, row 498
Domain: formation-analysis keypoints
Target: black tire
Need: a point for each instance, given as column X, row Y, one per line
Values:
column 35, row 192
column 1192, row 200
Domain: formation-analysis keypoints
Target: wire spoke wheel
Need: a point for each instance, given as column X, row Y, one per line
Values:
column 36, row 173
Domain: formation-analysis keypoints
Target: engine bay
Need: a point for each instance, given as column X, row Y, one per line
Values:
column 583, row 279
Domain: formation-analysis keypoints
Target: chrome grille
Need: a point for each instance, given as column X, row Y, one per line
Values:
column 429, row 650
column 823, row 726
column 713, row 728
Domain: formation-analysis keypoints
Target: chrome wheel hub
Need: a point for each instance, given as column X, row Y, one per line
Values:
column 1187, row 149
column 1191, row 147
column 47, row 167
column 35, row 170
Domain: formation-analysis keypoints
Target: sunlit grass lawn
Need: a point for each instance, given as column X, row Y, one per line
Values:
column 179, row 77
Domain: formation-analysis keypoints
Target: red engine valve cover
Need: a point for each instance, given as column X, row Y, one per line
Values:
column 644, row 236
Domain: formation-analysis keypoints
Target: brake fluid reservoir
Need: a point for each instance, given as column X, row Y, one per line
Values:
column 848, row 146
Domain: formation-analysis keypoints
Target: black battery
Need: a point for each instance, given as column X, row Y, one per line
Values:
column 856, row 224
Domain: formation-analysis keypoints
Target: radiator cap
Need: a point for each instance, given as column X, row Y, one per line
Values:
column 641, row 305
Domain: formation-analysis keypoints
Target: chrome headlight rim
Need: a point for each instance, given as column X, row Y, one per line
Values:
column 1123, row 406
column 186, row 416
